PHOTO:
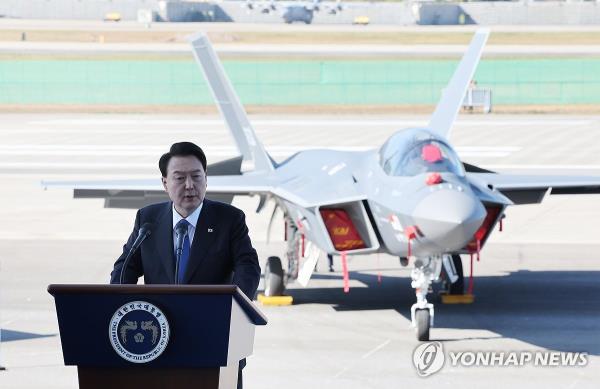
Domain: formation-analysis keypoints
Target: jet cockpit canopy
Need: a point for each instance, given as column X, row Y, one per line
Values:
column 416, row 151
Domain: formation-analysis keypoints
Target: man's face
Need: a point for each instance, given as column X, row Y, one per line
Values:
column 185, row 183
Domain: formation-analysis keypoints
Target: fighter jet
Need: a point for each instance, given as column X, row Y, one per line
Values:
column 412, row 197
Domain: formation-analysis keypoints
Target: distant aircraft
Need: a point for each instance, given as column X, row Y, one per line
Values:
column 412, row 197
column 295, row 11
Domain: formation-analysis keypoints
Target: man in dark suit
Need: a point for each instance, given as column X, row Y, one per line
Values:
column 214, row 246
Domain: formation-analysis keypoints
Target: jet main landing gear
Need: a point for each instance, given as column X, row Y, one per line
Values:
column 274, row 277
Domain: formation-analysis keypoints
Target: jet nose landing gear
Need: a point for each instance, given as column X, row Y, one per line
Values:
column 422, row 320
column 426, row 271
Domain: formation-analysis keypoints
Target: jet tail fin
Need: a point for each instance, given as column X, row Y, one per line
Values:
column 452, row 97
column 254, row 156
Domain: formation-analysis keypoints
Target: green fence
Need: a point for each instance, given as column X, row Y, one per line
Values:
column 536, row 81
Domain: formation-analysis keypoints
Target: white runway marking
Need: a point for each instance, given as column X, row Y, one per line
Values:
column 120, row 131
column 152, row 165
column 488, row 148
column 74, row 165
column 310, row 123
column 543, row 167
column 374, row 350
column 221, row 151
column 364, row 356
column 61, row 238
column 38, row 147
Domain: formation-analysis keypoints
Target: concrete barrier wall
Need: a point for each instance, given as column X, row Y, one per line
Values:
column 511, row 13
column 534, row 12
column 73, row 9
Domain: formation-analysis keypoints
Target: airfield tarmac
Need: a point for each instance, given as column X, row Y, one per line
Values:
column 536, row 285
column 77, row 37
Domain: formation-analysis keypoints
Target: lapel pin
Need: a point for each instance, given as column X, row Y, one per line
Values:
column 210, row 230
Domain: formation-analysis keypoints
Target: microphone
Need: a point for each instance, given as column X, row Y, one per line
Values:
column 180, row 232
column 144, row 232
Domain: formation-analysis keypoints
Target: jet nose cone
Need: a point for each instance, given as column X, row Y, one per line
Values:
column 449, row 218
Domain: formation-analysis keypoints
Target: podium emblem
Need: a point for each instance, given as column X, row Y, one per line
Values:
column 139, row 332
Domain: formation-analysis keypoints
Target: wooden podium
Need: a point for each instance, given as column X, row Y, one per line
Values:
column 155, row 336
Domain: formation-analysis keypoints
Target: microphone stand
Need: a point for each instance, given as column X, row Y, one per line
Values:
column 144, row 232
column 181, row 232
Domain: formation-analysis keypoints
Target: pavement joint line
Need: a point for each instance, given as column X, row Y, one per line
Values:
column 83, row 131
column 75, row 165
column 279, row 151
column 377, row 348
column 60, row 238
column 129, row 147
column 345, row 369
column 543, row 167
column 13, row 367
column 150, row 166
column 364, row 356
column 494, row 242
column 102, row 165
column 310, row 123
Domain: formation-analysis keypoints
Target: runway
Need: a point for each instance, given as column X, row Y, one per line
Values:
column 80, row 144
column 300, row 50
column 536, row 285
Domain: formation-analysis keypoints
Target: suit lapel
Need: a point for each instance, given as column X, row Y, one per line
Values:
column 164, row 242
column 203, row 239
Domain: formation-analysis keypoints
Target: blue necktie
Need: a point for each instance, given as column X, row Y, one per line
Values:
column 185, row 253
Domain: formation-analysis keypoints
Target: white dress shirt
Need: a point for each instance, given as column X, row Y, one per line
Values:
column 192, row 219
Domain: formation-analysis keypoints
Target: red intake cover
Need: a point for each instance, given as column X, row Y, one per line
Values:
column 341, row 229
column 485, row 229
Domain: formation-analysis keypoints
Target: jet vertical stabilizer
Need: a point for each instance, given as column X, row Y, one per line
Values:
column 452, row 97
column 255, row 158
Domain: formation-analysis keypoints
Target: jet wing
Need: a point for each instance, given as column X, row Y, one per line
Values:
column 141, row 192
column 147, row 185
column 137, row 193
column 116, row 193
column 531, row 189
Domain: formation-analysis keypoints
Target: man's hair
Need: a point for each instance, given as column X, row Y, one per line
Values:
column 181, row 149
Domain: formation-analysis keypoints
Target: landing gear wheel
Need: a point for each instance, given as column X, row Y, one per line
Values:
column 422, row 319
column 458, row 287
column 274, row 281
